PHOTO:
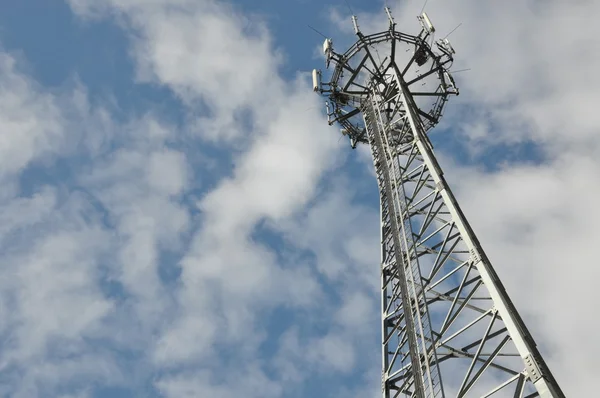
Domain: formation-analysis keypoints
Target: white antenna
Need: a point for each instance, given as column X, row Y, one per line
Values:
column 355, row 23
column 327, row 48
column 450, row 81
column 449, row 46
column 389, row 14
column 328, row 113
column 426, row 23
column 445, row 46
column 316, row 77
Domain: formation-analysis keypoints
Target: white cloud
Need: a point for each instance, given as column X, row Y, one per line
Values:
column 167, row 172
column 248, row 382
column 209, row 54
column 24, row 137
column 231, row 280
column 59, row 253
column 51, row 298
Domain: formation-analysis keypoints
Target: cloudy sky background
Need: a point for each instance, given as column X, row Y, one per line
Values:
column 178, row 220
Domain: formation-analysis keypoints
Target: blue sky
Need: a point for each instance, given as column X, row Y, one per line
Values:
column 178, row 220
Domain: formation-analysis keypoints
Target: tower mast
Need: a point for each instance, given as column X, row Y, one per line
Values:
column 449, row 328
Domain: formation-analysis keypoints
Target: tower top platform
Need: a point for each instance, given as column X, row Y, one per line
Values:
column 421, row 61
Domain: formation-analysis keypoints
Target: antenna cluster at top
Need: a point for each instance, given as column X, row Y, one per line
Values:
column 427, row 29
column 373, row 60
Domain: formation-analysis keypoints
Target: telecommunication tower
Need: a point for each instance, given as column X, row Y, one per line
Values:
column 449, row 328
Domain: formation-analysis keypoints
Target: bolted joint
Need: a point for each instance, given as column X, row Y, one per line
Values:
column 475, row 257
column 534, row 371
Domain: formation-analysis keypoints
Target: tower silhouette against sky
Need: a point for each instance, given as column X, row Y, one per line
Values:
column 449, row 328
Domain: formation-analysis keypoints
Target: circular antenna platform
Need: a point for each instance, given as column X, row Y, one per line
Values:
column 421, row 63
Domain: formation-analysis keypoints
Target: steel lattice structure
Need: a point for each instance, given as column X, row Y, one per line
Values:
column 449, row 328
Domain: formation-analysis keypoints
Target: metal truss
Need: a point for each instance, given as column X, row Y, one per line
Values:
column 449, row 328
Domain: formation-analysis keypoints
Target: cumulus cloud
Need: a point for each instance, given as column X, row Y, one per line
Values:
column 209, row 54
column 71, row 242
column 157, row 283
column 26, row 137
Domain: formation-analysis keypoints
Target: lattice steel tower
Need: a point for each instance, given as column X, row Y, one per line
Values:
column 449, row 328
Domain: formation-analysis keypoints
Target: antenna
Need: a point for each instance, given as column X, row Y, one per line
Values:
column 389, row 14
column 426, row 23
column 329, row 121
column 316, row 77
column 445, row 46
column 317, row 31
column 349, row 8
column 449, row 80
column 460, row 70
column 452, row 31
column 327, row 49
column 355, row 23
